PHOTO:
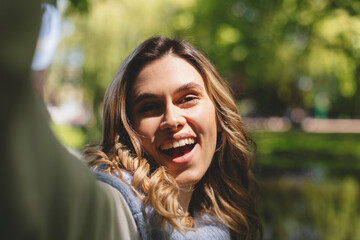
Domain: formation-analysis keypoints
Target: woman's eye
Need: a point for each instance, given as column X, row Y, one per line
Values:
column 189, row 98
column 148, row 108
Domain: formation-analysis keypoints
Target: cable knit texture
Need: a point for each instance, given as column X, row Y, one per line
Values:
column 207, row 227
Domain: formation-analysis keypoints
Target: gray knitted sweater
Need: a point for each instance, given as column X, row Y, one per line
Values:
column 207, row 228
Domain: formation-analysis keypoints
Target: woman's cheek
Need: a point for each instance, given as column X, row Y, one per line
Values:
column 147, row 125
column 203, row 117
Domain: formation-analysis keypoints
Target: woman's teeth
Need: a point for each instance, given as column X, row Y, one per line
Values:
column 178, row 143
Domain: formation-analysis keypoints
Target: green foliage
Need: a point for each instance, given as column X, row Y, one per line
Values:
column 70, row 136
column 81, row 6
column 334, row 208
column 265, row 48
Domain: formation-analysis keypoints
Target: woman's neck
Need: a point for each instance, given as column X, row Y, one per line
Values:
column 185, row 195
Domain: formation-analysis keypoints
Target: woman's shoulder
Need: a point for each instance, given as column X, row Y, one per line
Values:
column 123, row 176
column 123, row 185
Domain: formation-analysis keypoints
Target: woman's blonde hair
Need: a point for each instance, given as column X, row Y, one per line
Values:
column 225, row 190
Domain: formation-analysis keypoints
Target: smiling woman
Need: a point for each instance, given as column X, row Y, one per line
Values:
column 172, row 135
column 173, row 131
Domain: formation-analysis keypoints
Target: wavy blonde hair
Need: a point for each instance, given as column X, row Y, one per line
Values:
column 226, row 189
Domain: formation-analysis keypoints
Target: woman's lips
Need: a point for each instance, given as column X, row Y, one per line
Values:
column 178, row 143
column 179, row 151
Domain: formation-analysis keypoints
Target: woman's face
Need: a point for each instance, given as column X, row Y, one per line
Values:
column 175, row 118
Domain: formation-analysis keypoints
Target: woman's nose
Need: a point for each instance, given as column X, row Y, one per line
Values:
column 172, row 119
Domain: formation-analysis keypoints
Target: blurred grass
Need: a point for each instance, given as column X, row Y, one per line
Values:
column 309, row 184
column 298, row 152
column 302, row 209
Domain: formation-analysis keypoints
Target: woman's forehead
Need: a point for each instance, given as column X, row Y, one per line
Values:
column 167, row 73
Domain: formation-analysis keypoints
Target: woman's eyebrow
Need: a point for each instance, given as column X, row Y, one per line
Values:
column 143, row 97
column 190, row 85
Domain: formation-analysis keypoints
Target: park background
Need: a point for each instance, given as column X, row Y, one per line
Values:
column 293, row 66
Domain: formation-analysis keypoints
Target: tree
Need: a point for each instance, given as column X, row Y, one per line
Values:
column 284, row 53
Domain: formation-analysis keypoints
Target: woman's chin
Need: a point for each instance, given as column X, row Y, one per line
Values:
column 186, row 182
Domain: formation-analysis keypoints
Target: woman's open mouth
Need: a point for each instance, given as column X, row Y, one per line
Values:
column 178, row 148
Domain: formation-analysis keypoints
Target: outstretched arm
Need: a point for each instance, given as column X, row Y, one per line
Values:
column 45, row 192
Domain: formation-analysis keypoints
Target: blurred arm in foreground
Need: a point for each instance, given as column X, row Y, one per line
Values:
column 45, row 192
